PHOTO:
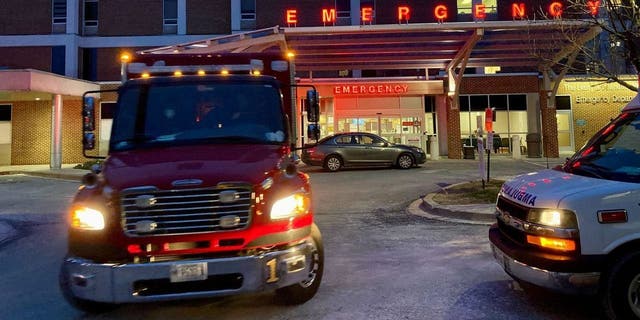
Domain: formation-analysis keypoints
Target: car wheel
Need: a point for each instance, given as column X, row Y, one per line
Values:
column 333, row 163
column 301, row 292
column 620, row 295
column 405, row 161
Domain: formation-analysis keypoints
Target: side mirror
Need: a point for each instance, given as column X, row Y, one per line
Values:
column 88, row 141
column 313, row 132
column 313, row 107
column 89, row 114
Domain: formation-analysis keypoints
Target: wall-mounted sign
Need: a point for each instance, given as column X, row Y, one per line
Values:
column 440, row 12
column 371, row 89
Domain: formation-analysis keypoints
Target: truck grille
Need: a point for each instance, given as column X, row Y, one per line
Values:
column 511, row 208
column 514, row 210
column 167, row 212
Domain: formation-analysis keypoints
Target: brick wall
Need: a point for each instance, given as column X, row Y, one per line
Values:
column 593, row 105
column 31, row 132
column 453, row 128
column 549, row 128
column 499, row 84
column 25, row 17
column 26, row 57
column 211, row 16
column 123, row 17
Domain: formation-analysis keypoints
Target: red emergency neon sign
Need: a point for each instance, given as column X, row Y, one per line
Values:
column 367, row 14
column 329, row 16
column 441, row 12
column 291, row 16
column 371, row 89
column 404, row 13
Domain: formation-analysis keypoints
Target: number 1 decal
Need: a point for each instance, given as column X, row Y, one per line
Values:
column 271, row 264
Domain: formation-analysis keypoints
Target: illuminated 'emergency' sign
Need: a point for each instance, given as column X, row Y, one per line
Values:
column 371, row 89
column 441, row 12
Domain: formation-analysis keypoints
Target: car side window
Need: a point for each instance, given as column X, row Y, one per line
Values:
column 367, row 140
column 343, row 140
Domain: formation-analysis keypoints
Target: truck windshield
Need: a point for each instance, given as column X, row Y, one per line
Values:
column 613, row 153
column 196, row 113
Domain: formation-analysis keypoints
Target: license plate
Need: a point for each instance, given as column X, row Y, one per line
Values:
column 188, row 272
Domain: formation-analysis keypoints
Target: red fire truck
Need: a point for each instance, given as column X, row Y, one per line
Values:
column 199, row 195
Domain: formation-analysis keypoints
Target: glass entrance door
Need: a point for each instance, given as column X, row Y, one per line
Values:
column 386, row 127
column 565, row 131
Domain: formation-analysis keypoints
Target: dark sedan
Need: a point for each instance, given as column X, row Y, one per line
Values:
column 361, row 149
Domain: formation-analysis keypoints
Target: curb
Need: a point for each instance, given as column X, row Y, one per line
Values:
column 477, row 214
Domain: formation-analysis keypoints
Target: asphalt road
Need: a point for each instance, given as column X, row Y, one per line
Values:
column 381, row 262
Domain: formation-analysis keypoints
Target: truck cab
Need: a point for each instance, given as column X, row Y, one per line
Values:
column 199, row 195
column 576, row 228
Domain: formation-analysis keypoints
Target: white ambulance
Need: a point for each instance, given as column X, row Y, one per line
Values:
column 576, row 228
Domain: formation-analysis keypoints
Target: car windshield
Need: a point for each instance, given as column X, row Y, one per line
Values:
column 196, row 113
column 613, row 153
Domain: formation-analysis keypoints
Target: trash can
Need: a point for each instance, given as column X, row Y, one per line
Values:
column 468, row 152
column 533, row 145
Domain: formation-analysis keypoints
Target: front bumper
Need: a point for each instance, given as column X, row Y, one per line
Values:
column 566, row 281
column 127, row 283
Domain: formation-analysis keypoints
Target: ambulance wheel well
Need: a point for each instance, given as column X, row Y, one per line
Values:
column 622, row 250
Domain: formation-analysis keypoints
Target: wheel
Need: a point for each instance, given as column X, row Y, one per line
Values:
column 333, row 163
column 301, row 292
column 620, row 291
column 405, row 161
column 87, row 306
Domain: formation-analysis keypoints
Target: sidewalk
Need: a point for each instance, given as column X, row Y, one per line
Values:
column 479, row 214
column 67, row 172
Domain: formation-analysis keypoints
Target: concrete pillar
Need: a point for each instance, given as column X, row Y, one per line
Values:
column 433, row 146
column 515, row 147
column 56, row 133
column 235, row 15
column 182, row 16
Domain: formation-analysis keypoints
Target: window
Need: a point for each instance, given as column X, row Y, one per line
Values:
column 59, row 11
column 343, row 8
column 106, row 110
column 5, row 112
column 58, row 60
column 563, row 102
column 90, row 13
column 464, row 7
column 170, row 12
column 248, row 10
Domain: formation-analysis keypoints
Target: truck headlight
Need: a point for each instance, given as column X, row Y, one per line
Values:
column 86, row 218
column 291, row 206
column 553, row 218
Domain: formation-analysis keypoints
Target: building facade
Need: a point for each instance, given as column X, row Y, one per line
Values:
column 82, row 40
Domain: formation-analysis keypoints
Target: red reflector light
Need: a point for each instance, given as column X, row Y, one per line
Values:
column 134, row 248
column 614, row 216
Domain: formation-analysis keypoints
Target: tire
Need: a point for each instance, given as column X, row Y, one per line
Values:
column 87, row 306
column 405, row 161
column 302, row 292
column 333, row 163
column 620, row 289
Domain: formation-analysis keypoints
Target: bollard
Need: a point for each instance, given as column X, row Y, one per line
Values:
column 433, row 146
column 515, row 147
